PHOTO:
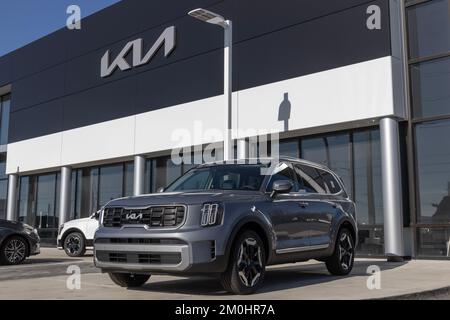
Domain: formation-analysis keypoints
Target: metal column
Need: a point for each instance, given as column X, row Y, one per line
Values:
column 392, row 188
column 11, row 209
column 242, row 147
column 65, row 194
column 139, row 175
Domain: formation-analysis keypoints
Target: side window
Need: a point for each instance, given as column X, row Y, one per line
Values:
column 330, row 182
column 310, row 179
column 283, row 172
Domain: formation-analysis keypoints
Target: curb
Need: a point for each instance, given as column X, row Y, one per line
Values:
column 422, row 295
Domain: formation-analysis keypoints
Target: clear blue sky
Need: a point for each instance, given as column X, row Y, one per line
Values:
column 23, row 21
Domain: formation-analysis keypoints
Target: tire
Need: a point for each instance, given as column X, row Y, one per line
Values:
column 74, row 244
column 129, row 280
column 342, row 260
column 14, row 251
column 245, row 277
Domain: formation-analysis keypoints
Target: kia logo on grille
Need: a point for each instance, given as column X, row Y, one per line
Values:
column 133, row 216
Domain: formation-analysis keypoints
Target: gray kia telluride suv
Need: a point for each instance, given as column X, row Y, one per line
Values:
column 232, row 221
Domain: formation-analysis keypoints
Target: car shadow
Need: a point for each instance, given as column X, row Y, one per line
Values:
column 277, row 278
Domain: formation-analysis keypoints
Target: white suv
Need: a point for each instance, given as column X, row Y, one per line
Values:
column 76, row 236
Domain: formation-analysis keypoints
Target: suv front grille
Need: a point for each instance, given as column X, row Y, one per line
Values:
column 154, row 217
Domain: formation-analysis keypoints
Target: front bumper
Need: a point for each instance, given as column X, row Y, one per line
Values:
column 141, row 250
column 35, row 249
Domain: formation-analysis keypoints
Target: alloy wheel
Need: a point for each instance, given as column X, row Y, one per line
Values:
column 73, row 244
column 15, row 251
column 249, row 262
column 346, row 251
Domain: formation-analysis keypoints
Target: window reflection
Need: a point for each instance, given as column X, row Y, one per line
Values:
column 5, row 104
column 433, row 170
column 433, row 242
column 430, row 88
column 332, row 151
column 429, row 28
column 110, row 183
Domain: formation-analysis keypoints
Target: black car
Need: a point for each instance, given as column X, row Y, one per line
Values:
column 17, row 242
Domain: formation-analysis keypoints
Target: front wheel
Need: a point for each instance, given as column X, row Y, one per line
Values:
column 74, row 245
column 247, row 265
column 341, row 262
column 129, row 280
column 13, row 251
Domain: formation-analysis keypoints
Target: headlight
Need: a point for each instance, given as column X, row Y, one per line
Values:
column 100, row 218
column 212, row 214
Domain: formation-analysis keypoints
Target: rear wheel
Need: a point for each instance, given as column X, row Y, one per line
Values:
column 341, row 262
column 247, row 265
column 13, row 251
column 129, row 280
column 74, row 245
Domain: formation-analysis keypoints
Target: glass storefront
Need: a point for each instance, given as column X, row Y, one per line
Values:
column 38, row 204
column 429, row 72
column 355, row 157
column 93, row 187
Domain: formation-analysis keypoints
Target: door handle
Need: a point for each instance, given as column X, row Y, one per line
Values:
column 303, row 204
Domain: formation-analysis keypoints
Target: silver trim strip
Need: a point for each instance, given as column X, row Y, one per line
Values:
column 301, row 249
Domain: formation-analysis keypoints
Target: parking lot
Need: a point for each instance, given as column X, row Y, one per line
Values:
column 45, row 277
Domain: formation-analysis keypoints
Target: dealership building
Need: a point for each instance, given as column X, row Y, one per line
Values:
column 361, row 86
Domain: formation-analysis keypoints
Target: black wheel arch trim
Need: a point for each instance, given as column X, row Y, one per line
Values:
column 341, row 223
column 269, row 236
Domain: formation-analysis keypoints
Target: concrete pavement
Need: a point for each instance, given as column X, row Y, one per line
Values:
column 44, row 277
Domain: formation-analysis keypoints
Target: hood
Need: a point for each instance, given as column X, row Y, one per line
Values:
column 187, row 198
column 16, row 225
column 77, row 221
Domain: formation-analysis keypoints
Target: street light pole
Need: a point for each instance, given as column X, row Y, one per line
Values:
column 228, row 90
column 227, row 25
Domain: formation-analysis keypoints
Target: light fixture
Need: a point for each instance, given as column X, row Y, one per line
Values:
column 208, row 16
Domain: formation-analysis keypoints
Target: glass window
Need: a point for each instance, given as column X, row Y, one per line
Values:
column 433, row 171
column 3, row 198
column 45, row 202
column 430, row 88
column 75, row 206
column 429, row 28
column 332, row 151
column 331, row 184
column 164, row 172
column 289, row 148
column 194, row 180
column 370, row 240
column 367, row 178
column 283, row 171
column 310, row 179
column 26, row 200
column 221, row 177
column 129, row 179
column 433, row 242
column 4, row 121
column 110, row 184
column 3, row 174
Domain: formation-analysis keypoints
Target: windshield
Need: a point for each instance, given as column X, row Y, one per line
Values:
column 221, row 177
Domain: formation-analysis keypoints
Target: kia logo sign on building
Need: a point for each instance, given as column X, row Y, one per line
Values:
column 168, row 38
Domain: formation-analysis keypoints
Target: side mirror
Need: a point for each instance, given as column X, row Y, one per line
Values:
column 160, row 190
column 96, row 215
column 281, row 186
